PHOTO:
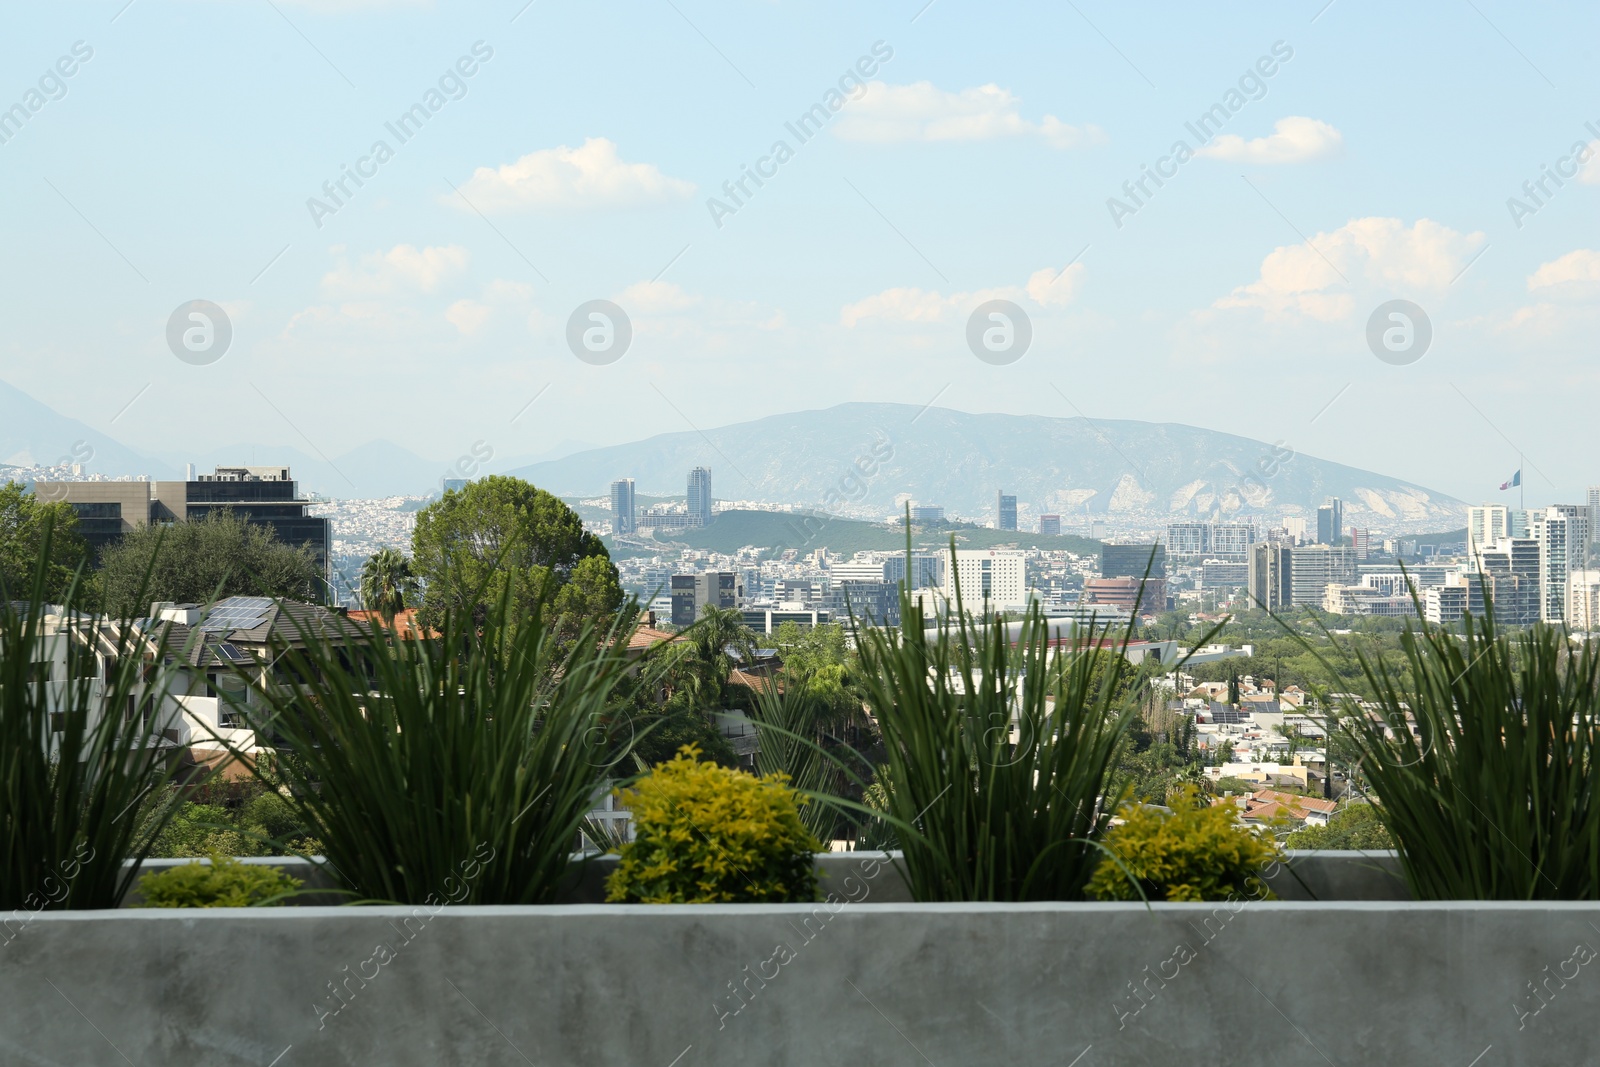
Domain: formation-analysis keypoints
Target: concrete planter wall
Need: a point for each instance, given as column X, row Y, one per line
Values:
column 864, row 980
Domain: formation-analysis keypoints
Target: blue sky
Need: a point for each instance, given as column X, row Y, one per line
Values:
column 975, row 164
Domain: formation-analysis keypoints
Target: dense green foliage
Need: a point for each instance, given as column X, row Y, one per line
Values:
column 706, row 834
column 242, row 818
column 32, row 532
column 986, row 810
column 1356, row 828
column 414, row 760
column 1194, row 851
column 1497, row 794
column 222, row 883
column 71, row 780
column 501, row 537
column 197, row 561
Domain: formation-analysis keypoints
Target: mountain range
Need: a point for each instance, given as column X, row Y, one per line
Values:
column 861, row 460
column 868, row 459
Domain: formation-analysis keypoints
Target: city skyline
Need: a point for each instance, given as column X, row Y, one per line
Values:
column 447, row 275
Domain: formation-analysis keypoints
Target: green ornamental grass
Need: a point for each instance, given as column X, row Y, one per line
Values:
column 412, row 760
column 999, row 750
column 1496, row 794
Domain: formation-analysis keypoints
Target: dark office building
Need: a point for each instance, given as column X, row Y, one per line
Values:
column 1330, row 522
column 871, row 603
column 692, row 593
column 1133, row 561
column 264, row 496
column 1005, row 512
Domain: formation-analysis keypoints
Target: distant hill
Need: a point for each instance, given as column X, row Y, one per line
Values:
column 33, row 435
column 866, row 459
column 733, row 530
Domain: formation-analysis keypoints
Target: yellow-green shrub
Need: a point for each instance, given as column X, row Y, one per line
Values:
column 223, row 883
column 1196, row 852
column 706, row 834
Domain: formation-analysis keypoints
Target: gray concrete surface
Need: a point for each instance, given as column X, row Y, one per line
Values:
column 1071, row 985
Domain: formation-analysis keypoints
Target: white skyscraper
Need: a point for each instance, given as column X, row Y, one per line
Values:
column 1487, row 525
column 1583, row 601
column 1555, row 531
column 988, row 576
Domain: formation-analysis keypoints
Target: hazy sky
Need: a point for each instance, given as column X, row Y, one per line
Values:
column 1361, row 153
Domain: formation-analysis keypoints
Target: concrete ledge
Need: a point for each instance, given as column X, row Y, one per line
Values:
column 1097, row 985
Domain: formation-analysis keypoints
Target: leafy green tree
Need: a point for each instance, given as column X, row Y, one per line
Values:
column 387, row 584
column 805, row 652
column 24, row 522
column 197, row 561
column 1356, row 828
column 502, row 536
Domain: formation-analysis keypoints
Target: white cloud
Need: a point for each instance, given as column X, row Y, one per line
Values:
column 1317, row 279
column 468, row 316
column 591, row 175
column 404, row 268
column 1294, row 140
column 1048, row 288
column 1582, row 265
column 1055, row 288
column 649, row 298
column 923, row 112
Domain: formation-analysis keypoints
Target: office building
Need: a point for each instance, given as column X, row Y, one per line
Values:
column 1133, row 561
column 1508, row 577
column 624, row 519
column 1271, row 575
column 1558, row 531
column 927, row 513
column 1139, row 596
column 1592, row 510
column 1050, row 525
column 1487, row 526
column 1583, row 601
column 261, row 496
column 1005, row 512
column 700, row 497
column 994, row 578
column 869, row 603
column 1315, row 567
column 1445, row 604
column 1330, row 523
column 1361, row 541
column 1224, row 574
column 766, row 620
column 1195, row 541
column 693, row 593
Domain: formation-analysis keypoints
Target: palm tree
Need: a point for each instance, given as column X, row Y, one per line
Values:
column 715, row 637
column 387, row 583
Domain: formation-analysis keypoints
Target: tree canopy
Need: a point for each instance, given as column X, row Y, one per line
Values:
column 200, row 560
column 24, row 520
column 503, row 536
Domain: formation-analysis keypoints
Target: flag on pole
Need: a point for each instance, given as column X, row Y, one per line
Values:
column 1516, row 480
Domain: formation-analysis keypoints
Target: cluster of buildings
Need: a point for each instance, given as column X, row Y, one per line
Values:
column 1531, row 564
column 695, row 512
